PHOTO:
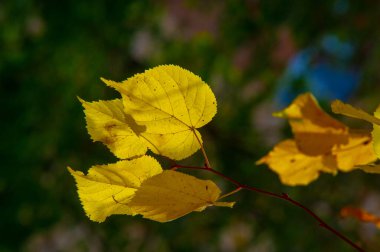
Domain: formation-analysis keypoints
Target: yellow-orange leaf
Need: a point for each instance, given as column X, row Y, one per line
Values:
column 348, row 110
column 361, row 215
column 107, row 123
column 171, row 103
column 339, row 107
column 357, row 152
column 107, row 189
column 295, row 167
column 376, row 133
column 172, row 194
column 370, row 168
column 315, row 131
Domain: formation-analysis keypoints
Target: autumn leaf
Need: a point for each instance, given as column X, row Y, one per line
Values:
column 139, row 186
column 340, row 107
column 295, row 167
column 170, row 103
column 370, row 168
column 346, row 109
column 376, row 133
column 172, row 194
column 336, row 148
column 314, row 130
column 107, row 123
column 356, row 153
column 160, row 109
column 106, row 185
column 361, row 215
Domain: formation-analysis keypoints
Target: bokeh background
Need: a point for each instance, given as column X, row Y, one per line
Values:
column 256, row 55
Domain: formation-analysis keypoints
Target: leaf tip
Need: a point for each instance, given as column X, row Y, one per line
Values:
column 108, row 82
column 70, row 169
column 73, row 172
column 103, row 79
column 261, row 161
column 336, row 106
column 81, row 100
column 279, row 114
column 224, row 204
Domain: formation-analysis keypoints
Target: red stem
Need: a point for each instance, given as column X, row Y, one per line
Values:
column 282, row 196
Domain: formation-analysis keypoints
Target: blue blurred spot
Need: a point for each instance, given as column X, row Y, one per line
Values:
column 332, row 45
column 298, row 65
column 324, row 69
column 328, row 82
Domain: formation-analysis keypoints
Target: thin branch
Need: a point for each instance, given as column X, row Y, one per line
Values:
column 282, row 196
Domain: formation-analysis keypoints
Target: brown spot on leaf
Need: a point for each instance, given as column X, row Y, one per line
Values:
column 108, row 140
column 109, row 126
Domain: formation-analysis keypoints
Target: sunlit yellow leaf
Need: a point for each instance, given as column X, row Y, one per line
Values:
column 107, row 123
column 370, row 168
column 107, row 189
column 172, row 194
column 376, row 133
column 171, row 103
column 358, row 151
column 315, row 131
column 348, row 110
column 294, row 167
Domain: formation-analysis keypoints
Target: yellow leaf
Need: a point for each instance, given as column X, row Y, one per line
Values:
column 370, row 168
column 358, row 151
column 172, row 194
column 107, row 189
column 315, row 131
column 348, row 110
column 294, row 167
column 376, row 134
column 107, row 123
column 339, row 107
column 171, row 103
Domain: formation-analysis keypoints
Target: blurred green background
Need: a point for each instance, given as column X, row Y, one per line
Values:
column 248, row 52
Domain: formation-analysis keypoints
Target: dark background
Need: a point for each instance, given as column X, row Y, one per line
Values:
column 252, row 54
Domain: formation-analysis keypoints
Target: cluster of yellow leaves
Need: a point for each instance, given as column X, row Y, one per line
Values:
column 160, row 110
column 140, row 186
column 321, row 143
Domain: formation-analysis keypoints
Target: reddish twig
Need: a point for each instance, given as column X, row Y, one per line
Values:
column 282, row 196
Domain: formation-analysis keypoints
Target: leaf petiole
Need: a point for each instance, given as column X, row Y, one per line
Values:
column 230, row 193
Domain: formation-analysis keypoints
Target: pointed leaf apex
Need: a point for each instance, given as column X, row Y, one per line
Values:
column 108, row 82
column 339, row 107
column 81, row 100
column 103, row 79
column 279, row 114
column 224, row 204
